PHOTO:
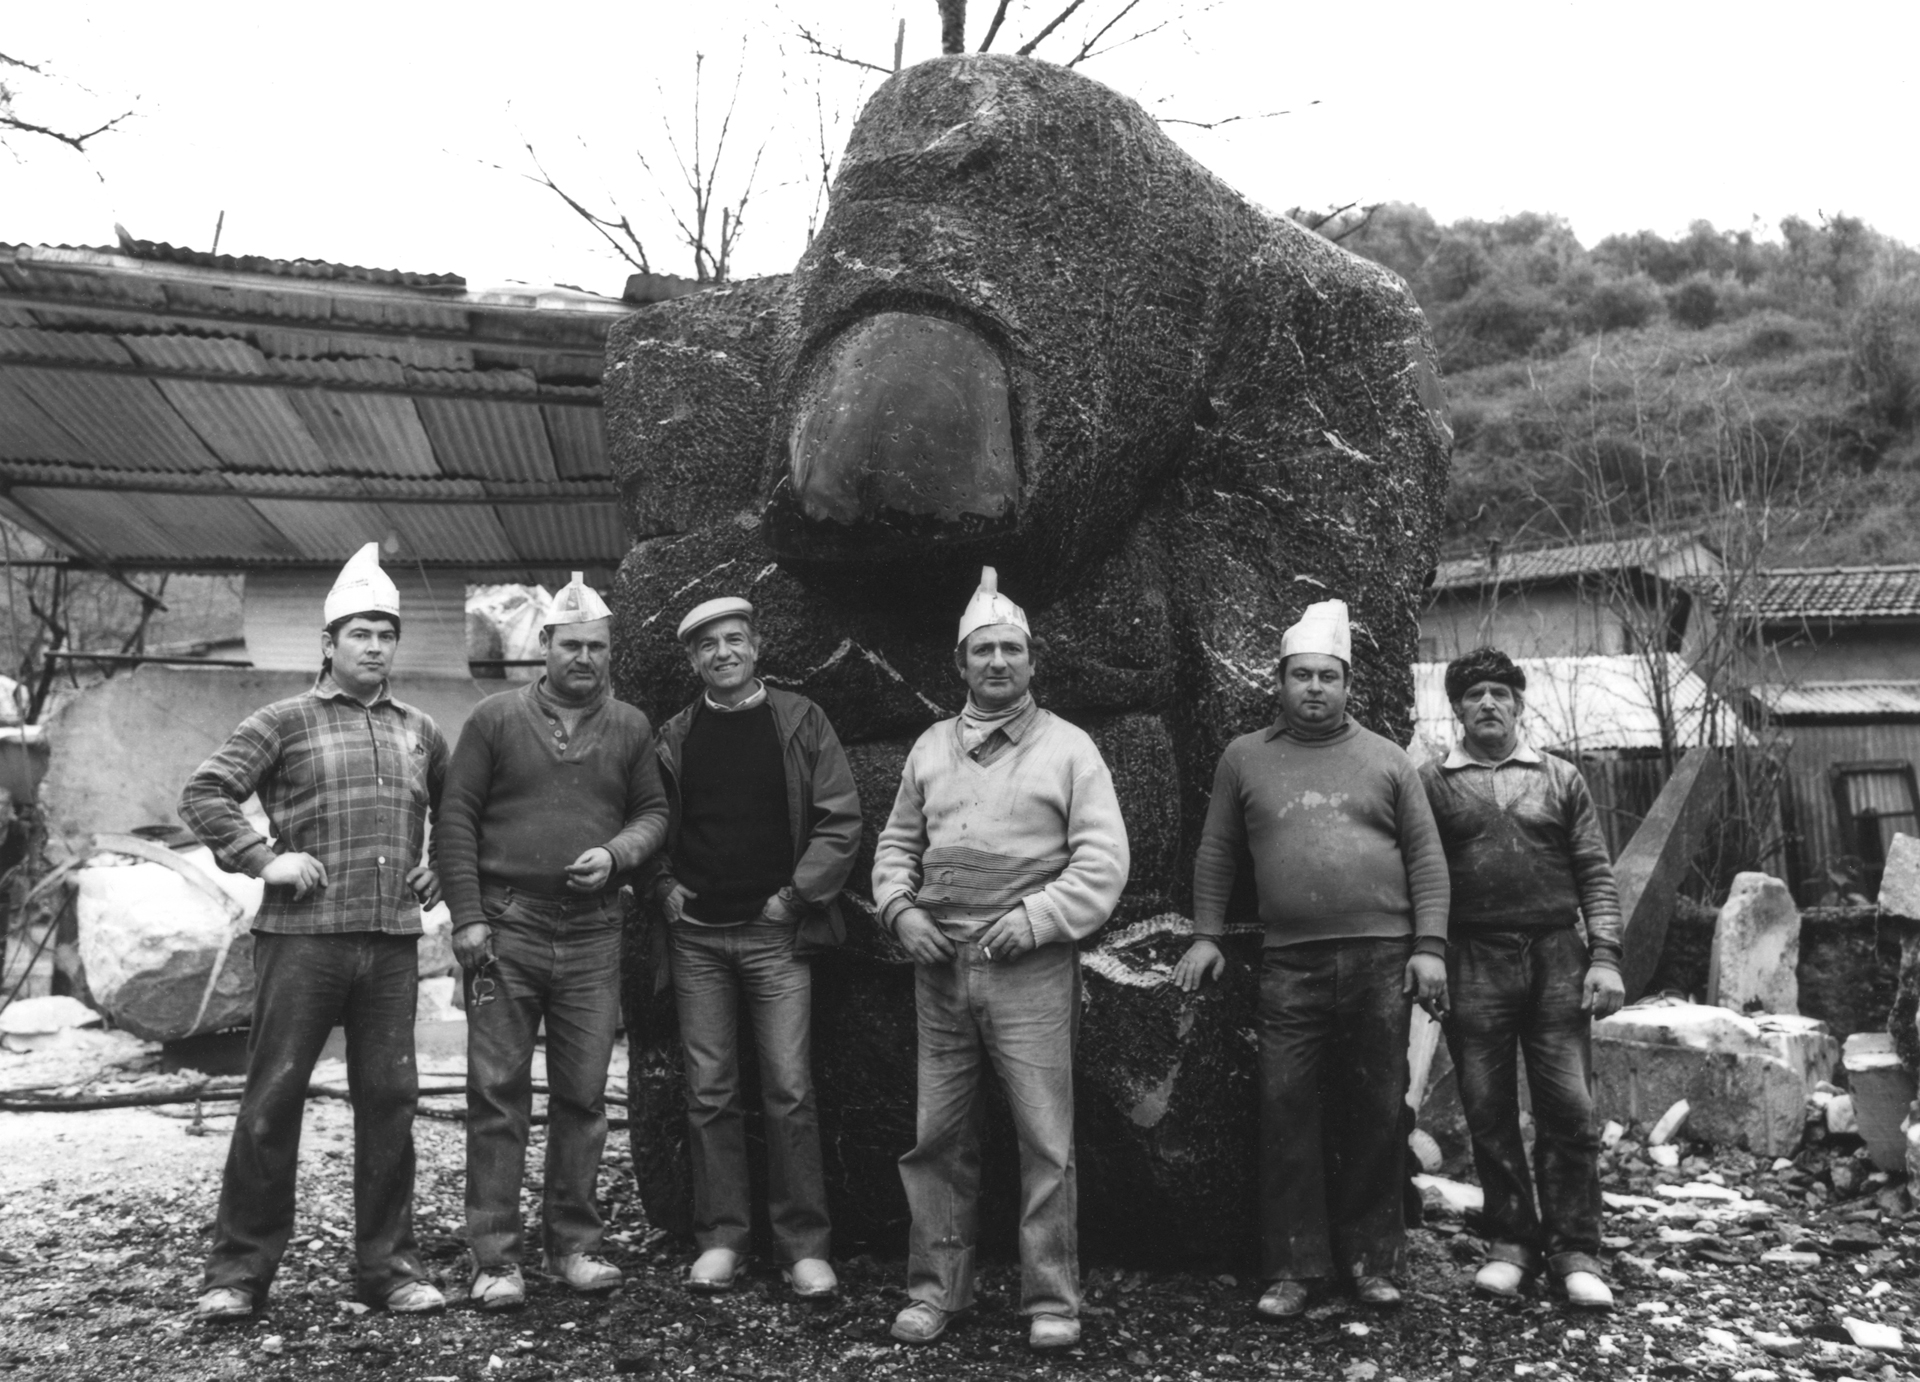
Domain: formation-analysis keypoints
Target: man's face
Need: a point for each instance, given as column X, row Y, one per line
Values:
column 997, row 662
column 577, row 657
column 723, row 653
column 1313, row 690
column 1489, row 712
column 361, row 654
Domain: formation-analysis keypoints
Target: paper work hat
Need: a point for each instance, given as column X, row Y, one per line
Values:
column 989, row 606
column 362, row 588
column 577, row 603
column 727, row 606
column 1322, row 629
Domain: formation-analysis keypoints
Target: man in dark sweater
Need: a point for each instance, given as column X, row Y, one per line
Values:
column 552, row 796
column 764, row 824
column 1528, row 861
column 1352, row 890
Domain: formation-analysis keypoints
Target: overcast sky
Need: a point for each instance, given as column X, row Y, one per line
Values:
column 367, row 132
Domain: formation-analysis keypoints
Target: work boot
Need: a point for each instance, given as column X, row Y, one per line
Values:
column 1376, row 1291
column 713, row 1271
column 415, row 1298
column 1283, row 1300
column 498, row 1288
column 920, row 1323
column 1585, row 1291
column 223, row 1304
column 1053, row 1331
column 812, row 1278
column 589, row 1276
column 1500, row 1279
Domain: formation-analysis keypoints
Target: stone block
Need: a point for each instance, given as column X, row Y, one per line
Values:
column 1746, row 1079
column 439, row 1000
column 436, row 942
column 1756, row 948
column 1657, row 858
column 1883, row 1091
column 1900, row 879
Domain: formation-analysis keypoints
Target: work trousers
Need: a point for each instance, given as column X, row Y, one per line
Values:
column 366, row 982
column 721, row 973
column 1520, row 990
column 1333, row 1087
column 557, row 959
column 1022, row 1017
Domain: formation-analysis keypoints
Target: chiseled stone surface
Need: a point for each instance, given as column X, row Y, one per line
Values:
column 1883, row 1093
column 1756, row 948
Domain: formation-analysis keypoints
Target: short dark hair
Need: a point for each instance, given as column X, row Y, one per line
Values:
column 1482, row 664
column 333, row 630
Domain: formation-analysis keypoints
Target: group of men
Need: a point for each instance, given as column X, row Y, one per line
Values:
column 1459, row 886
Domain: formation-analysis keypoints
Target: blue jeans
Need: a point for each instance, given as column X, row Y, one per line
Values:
column 1520, row 990
column 558, row 959
column 1022, row 1016
column 367, row 982
column 717, row 972
column 1333, row 1089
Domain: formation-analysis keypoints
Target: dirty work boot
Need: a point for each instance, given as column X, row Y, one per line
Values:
column 589, row 1276
column 1585, row 1291
column 415, row 1298
column 921, row 1323
column 812, row 1278
column 1376, row 1291
column 713, row 1271
column 1053, row 1331
column 1283, row 1300
column 223, row 1303
column 1499, row 1279
column 498, row 1288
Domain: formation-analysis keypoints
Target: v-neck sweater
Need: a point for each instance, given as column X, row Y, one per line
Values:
column 1038, row 823
column 525, row 797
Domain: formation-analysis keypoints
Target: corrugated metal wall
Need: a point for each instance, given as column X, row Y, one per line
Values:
column 1817, row 840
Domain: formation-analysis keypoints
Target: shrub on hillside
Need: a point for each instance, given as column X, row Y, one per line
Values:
column 1694, row 303
column 1619, row 304
column 1499, row 320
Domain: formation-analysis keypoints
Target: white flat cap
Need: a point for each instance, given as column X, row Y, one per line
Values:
column 1323, row 628
column 709, row 610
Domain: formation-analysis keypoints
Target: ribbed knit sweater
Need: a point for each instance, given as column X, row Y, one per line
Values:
column 1342, row 841
column 524, row 798
column 1038, row 824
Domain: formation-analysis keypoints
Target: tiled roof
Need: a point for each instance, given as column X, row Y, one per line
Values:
column 161, row 252
column 1788, row 595
column 1841, row 700
column 1677, row 557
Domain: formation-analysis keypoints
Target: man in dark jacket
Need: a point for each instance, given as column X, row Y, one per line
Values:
column 763, row 826
column 1527, row 862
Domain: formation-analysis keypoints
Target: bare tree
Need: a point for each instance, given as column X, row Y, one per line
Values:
column 12, row 72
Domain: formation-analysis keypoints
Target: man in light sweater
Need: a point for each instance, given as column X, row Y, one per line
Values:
column 1528, row 862
column 553, row 794
column 1004, row 849
column 1351, row 884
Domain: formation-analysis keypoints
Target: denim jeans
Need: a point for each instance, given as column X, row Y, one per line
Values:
column 367, row 982
column 1520, row 990
column 1333, row 1088
column 558, row 959
column 1022, row 1016
column 719, row 971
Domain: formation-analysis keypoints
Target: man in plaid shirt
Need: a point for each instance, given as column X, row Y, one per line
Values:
column 347, row 776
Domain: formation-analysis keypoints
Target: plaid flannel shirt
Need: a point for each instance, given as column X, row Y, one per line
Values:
column 352, row 785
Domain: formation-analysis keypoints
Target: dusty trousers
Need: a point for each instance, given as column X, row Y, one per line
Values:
column 1519, row 991
column 1021, row 1017
column 557, row 959
column 1333, row 1087
column 304, row 986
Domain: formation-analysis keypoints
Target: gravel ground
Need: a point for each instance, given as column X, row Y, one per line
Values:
column 106, row 1216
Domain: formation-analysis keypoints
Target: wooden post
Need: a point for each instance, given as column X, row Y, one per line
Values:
column 1655, row 862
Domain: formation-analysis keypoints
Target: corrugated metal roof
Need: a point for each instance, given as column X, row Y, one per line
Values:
column 288, row 344
column 579, row 440
column 500, row 381
column 366, row 434
column 452, row 532
column 321, row 531
column 120, row 422
column 33, row 343
column 1679, row 557
column 1589, row 705
column 1787, row 595
column 487, row 440
column 547, row 533
column 1841, row 700
column 319, row 269
column 161, row 527
column 247, row 428
column 28, row 434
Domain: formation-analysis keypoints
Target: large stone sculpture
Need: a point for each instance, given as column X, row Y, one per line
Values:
column 1031, row 332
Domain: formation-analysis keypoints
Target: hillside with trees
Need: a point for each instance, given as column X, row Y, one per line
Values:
column 1762, row 390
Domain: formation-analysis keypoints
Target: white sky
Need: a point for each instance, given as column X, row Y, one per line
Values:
column 364, row 133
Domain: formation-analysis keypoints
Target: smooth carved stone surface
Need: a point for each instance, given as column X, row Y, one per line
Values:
column 1883, row 1093
column 1656, row 860
column 1033, row 333
column 1756, row 948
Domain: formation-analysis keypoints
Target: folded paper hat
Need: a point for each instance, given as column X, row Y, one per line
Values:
column 709, row 610
column 1323, row 628
column 989, row 606
column 577, row 603
column 362, row 588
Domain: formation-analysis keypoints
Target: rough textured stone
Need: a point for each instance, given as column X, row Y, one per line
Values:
column 1746, row 1079
column 1900, row 879
column 1756, row 948
column 1655, row 862
column 1883, row 1093
column 1031, row 332
column 162, row 959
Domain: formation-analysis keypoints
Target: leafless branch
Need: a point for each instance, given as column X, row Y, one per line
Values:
column 1354, row 227
column 993, row 27
column 1130, row 38
column 636, row 255
column 8, row 60
column 1225, row 120
column 820, row 50
column 1100, row 33
column 1026, row 49
column 76, row 142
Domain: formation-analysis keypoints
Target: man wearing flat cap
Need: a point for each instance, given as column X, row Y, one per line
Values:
column 553, row 797
column 1351, row 884
column 348, row 777
column 1004, row 849
column 763, row 826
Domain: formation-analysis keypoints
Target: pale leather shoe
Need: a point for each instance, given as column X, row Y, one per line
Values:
column 1585, row 1291
column 415, row 1298
column 812, row 1278
column 1053, row 1331
column 498, row 1288
column 920, row 1323
column 1500, row 1279
column 1376, row 1291
column 223, row 1303
column 590, row 1276
column 713, row 1271
column 1283, row 1300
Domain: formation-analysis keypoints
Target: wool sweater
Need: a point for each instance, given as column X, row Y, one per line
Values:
column 732, row 850
column 524, row 798
column 1524, row 847
column 1038, row 824
column 1341, row 839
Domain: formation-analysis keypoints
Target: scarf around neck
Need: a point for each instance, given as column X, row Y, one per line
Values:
column 976, row 724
